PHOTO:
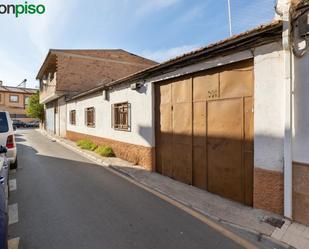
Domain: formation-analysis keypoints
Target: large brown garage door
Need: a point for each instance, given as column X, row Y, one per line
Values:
column 204, row 130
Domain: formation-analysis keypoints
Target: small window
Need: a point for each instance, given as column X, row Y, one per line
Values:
column 121, row 116
column 90, row 117
column 27, row 98
column 73, row 117
column 14, row 98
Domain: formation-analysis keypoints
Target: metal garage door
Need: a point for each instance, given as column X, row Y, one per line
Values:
column 50, row 117
column 204, row 130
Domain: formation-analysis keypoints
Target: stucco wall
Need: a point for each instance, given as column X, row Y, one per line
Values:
column 268, row 110
column 49, row 117
column 268, row 107
column 300, row 140
column 141, row 115
column 301, row 111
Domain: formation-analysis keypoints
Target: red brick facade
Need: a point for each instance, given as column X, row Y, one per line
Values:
column 301, row 192
column 268, row 190
column 81, row 70
column 136, row 154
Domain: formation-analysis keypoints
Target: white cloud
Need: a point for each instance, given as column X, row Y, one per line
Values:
column 169, row 53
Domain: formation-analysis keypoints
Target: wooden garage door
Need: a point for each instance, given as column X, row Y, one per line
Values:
column 204, row 130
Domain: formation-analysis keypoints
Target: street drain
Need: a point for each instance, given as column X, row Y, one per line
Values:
column 275, row 222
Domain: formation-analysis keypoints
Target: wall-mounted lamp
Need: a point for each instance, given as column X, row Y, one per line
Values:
column 104, row 94
column 136, row 86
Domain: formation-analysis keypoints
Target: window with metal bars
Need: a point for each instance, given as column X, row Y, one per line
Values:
column 121, row 116
column 90, row 117
column 73, row 117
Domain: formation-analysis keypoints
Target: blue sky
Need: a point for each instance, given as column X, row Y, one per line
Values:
column 156, row 29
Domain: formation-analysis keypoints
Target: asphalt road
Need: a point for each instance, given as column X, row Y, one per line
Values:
column 65, row 201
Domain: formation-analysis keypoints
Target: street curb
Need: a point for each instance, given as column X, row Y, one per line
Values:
column 208, row 215
column 113, row 168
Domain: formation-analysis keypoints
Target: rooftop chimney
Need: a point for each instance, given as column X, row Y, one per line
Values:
column 1, row 82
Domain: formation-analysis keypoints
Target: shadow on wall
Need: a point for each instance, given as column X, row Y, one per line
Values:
column 301, row 103
column 224, row 165
column 300, row 195
column 146, row 132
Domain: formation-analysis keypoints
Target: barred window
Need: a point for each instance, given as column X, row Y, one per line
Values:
column 90, row 117
column 73, row 117
column 121, row 116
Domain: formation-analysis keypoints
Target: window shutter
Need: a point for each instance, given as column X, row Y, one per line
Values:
column 112, row 115
column 85, row 117
column 93, row 117
column 129, row 116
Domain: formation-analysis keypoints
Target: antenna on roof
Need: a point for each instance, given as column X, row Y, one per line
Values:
column 23, row 83
column 230, row 16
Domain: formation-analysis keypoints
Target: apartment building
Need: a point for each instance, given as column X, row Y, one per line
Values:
column 15, row 100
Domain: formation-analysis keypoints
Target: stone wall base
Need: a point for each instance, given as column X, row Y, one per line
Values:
column 301, row 192
column 268, row 190
column 137, row 154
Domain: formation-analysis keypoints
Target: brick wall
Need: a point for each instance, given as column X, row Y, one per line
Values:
column 141, row 155
column 75, row 72
column 301, row 192
column 268, row 190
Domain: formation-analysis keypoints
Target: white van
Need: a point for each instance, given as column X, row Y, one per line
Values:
column 7, row 138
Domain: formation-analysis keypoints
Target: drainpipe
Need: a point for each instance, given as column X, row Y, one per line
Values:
column 288, row 110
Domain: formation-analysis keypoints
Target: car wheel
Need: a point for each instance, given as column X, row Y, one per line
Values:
column 14, row 165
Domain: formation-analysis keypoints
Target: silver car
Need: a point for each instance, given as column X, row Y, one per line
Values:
column 7, row 138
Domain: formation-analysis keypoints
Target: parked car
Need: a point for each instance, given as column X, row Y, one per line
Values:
column 33, row 124
column 4, row 195
column 18, row 124
column 7, row 138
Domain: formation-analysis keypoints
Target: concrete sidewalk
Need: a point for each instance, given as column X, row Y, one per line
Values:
column 262, row 224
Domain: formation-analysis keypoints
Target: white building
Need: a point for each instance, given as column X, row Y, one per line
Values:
column 230, row 118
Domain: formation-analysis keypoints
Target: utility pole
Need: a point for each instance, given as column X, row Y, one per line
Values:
column 230, row 16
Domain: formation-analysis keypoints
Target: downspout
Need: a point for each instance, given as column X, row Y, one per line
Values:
column 288, row 111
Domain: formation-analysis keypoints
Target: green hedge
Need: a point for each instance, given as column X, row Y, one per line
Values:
column 86, row 144
column 105, row 151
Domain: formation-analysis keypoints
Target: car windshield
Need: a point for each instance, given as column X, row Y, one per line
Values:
column 3, row 123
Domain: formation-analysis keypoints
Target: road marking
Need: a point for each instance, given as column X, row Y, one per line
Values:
column 12, row 185
column 13, row 213
column 13, row 243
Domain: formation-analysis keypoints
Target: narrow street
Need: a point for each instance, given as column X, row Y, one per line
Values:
column 65, row 201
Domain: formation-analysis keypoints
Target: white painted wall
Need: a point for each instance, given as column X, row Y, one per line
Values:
column 141, row 115
column 268, row 111
column 301, row 109
column 62, row 111
column 269, row 107
column 49, row 119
